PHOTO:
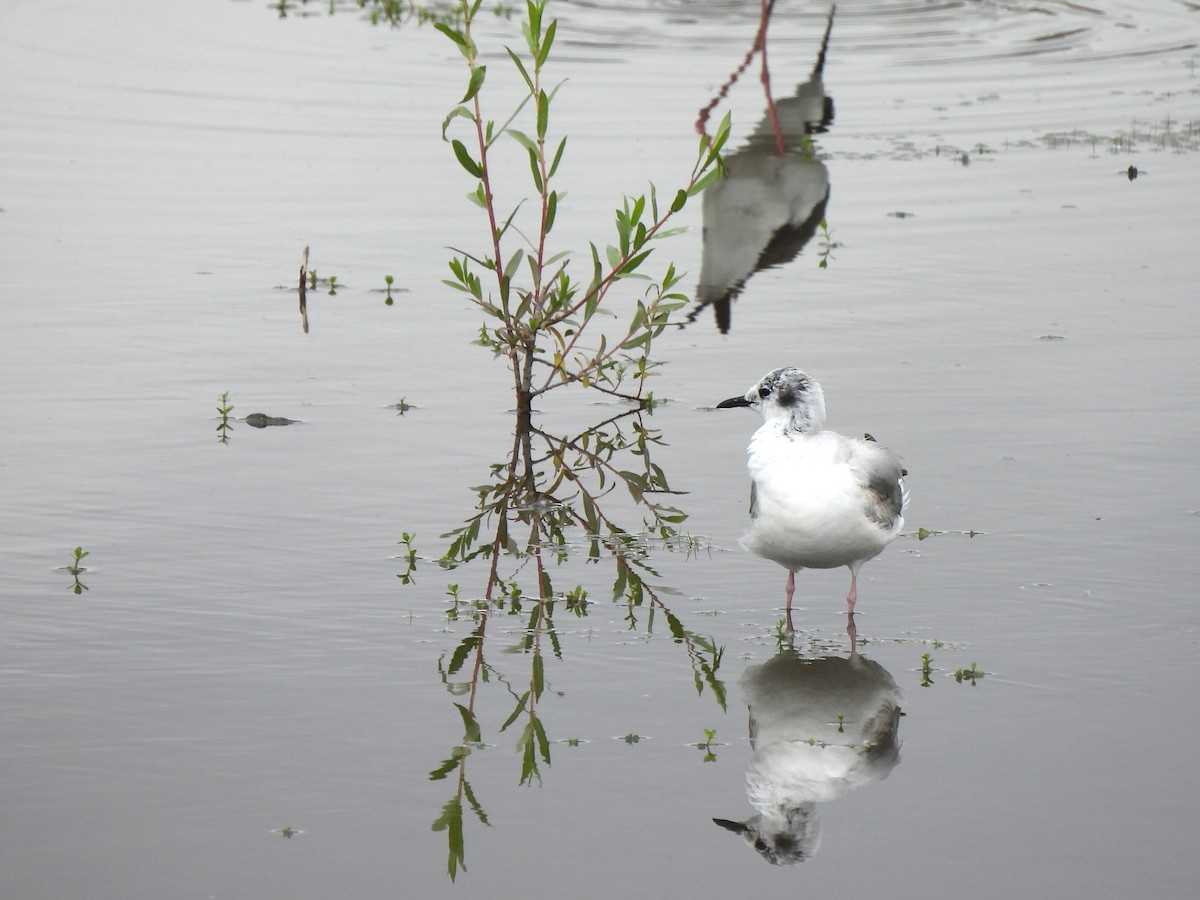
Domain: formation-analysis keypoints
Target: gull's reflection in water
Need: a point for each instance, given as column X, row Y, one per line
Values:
column 773, row 196
column 818, row 727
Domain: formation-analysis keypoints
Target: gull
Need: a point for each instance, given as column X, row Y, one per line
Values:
column 818, row 499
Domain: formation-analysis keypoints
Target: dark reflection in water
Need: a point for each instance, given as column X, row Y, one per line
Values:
column 773, row 197
column 554, row 501
column 818, row 727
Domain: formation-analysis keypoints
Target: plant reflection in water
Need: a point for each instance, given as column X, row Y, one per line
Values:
column 556, row 499
column 819, row 726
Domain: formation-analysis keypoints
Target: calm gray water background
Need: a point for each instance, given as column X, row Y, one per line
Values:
column 245, row 658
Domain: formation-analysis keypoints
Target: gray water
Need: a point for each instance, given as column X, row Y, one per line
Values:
column 244, row 659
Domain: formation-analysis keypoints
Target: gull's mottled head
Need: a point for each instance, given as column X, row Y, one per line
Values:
column 787, row 394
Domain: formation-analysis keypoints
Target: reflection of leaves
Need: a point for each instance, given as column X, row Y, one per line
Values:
column 475, row 807
column 533, row 743
column 410, row 557
column 78, row 587
column 448, row 765
column 555, row 499
column 705, row 656
column 588, row 463
column 516, row 712
column 969, row 675
column 706, row 668
column 462, row 651
column 538, row 676
column 451, row 821
column 471, row 727
column 451, row 818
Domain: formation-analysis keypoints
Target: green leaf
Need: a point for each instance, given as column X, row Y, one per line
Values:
column 664, row 233
column 547, row 41
column 707, row 179
column 535, row 168
column 622, row 236
column 639, row 206
column 543, row 114
column 457, row 112
column 597, row 276
column 464, row 159
column 557, row 156
column 457, row 36
column 464, row 45
column 477, row 76
column 633, row 262
column 512, row 264
column 551, row 211
column 523, row 139
column 680, row 199
column 521, row 68
column 533, row 30
column 507, row 222
column 589, row 513
column 723, row 131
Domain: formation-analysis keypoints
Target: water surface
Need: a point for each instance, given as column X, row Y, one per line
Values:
column 1003, row 306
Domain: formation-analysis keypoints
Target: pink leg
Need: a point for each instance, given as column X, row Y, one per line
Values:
column 791, row 589
column 853, row 595
column 765, row 76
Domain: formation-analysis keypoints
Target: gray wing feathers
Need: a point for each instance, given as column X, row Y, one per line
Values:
column 880, row 474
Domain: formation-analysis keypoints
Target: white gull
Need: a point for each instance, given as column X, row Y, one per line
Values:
column 819, row 499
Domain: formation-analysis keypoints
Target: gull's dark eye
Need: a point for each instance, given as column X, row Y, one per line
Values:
column 764, row 392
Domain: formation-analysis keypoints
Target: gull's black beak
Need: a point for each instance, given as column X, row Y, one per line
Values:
column 735, row 827
column 733, row 402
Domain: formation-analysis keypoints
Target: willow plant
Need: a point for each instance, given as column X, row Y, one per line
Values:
column 555, row 497
column 538, row 315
